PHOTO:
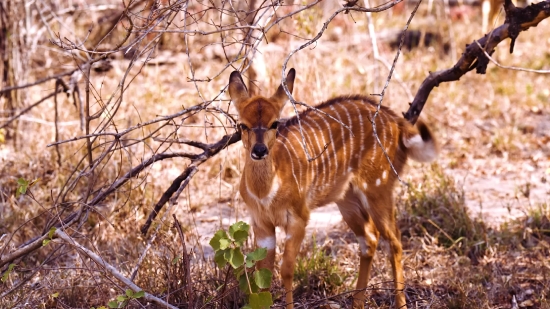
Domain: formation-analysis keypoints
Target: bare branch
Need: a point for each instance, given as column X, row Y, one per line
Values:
column 178, row 183
column 509, row 67
column 111, row 270
column 474, row 56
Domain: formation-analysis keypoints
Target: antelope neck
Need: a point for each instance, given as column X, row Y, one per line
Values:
column 259, row 176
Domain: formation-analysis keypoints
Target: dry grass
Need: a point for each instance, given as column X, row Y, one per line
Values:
column 475, row 227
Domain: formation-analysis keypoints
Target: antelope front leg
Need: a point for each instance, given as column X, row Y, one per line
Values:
column 265, row 238
column 295, row 233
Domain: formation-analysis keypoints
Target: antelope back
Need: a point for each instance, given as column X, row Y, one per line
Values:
column 341, row 137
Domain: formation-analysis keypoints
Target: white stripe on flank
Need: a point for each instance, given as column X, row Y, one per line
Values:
column 295, row 152
column 324, row 158
column 390, row 125
column 311, row 149
column 331, row 144
column 315, row 153
column 291, row 165
column 332, row 108
column 374, row 141
column 351, row 138
column 383, row 129
column 361, row 127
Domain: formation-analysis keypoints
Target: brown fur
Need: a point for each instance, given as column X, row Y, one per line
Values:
column 281, row 186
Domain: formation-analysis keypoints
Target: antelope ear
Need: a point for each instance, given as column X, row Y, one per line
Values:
column 237, row 89
column 280, row 96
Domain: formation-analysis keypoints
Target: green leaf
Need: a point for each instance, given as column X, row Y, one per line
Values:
column 121, row 298
column 129, row 293
column 257, row 255
column 51, row 232
column 238, row 226
column 250, row 263
column 113, row 304
column 219, row 258
column 260, row 300
column 240, row 237
column 55, row 295
column 262, row 278
column 7, row 273
column 237, row 258
column 139, row 294
column 215, row 241
column 45, row 242
column 22, row 188
column 224, row 243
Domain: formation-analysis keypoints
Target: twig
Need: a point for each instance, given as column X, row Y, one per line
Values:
column 110, row 269
column 509, row 67
column 133, row 173
column 147, row 247
column 38, row 82
column 186, row 264
column 28, row 108
column 178, row 183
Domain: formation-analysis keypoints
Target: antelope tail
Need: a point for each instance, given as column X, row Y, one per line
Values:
column 420, row 143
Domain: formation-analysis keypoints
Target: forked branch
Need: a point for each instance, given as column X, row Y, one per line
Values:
column 517, row 20
column 183, row 179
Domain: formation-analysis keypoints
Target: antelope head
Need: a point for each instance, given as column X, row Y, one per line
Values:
column 259, row 115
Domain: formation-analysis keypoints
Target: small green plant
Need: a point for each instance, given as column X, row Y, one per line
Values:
column 8, row 272
column 50, row 236
column 318, row 272
column 23, row 185
column 122, row 300
column 228, row 251
column 438, row 208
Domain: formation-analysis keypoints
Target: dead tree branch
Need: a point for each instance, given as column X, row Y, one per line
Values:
column 474, row 58
column 110, row 269
column 183, row 179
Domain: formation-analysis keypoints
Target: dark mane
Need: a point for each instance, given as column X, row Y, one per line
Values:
column 354, row 97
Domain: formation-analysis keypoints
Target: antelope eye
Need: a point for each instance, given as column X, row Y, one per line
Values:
column 244, row 127
column 274, row 125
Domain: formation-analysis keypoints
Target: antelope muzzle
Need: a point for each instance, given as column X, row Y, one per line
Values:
column 259, row 151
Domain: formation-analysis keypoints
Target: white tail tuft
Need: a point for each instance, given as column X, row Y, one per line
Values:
column 421, row 145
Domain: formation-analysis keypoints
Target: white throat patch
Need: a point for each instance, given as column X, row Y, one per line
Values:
column 266, row 200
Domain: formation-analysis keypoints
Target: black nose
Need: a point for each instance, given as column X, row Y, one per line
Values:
column 259, row 151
